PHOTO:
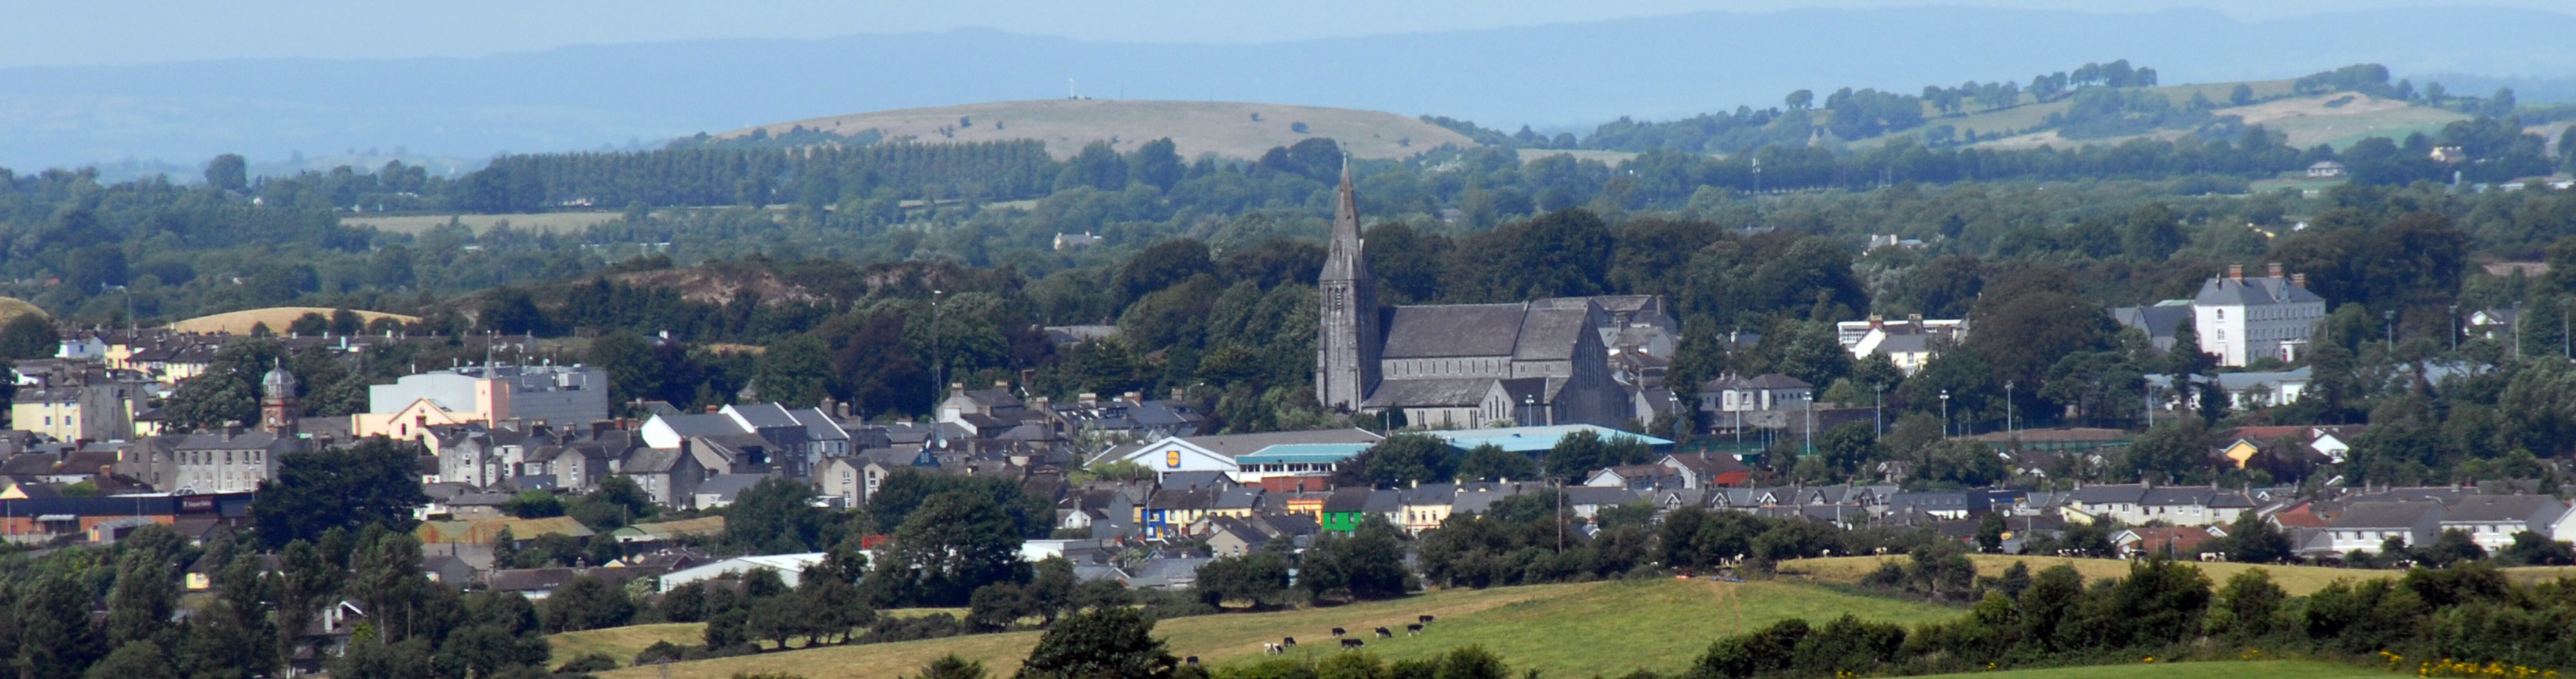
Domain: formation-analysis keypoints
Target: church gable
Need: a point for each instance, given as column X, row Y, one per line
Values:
column 1454, row 330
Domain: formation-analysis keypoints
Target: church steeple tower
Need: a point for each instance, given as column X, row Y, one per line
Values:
column 1347, row 348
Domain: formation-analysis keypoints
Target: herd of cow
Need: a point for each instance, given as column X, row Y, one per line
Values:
column 1349, row 642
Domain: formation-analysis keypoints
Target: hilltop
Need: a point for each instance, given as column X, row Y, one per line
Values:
column 1229, row 129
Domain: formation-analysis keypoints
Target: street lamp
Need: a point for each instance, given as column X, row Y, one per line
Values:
column 2008, row 407
column 1945, row 413
column 939, row 370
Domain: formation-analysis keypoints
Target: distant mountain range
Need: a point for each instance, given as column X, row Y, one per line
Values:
column 1555, row 77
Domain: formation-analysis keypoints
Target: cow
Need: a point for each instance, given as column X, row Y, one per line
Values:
column 1428, row 618
column 1272, row 649
column 1192, row 661
column 1337, row 633
column 1382, row 633
column 1413, row 629
column 1290, row 642
column 1348, row 644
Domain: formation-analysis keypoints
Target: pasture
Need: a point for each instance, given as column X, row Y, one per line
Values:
column 2297, row 580
column 12, row 307
column 1560, row 630
column 277, row 318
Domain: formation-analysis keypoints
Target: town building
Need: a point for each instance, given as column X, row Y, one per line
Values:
column 1460, row 365
column 567, row 396
column 1910, row 344
column 2241, row 320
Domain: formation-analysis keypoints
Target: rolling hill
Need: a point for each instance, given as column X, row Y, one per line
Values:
column 1228, row 129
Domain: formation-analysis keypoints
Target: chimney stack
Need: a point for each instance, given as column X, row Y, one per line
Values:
column 1089, row 400
column 2236, row 272
column 2299, row 279
column 2273, row 269
column 1917, row 320
column 711, row 409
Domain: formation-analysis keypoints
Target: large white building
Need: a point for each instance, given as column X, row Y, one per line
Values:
column 562, row 396
column 2241, row 320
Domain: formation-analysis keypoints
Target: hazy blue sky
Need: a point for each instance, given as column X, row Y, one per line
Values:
column 138, row 31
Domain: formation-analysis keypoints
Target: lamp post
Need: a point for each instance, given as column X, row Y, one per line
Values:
column 1529, row 402
column 2008, row 407
column 2453, row 321
column 938, row 370
column 1945, row 413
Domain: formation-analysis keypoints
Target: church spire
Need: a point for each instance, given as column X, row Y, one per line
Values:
column 1346, row 350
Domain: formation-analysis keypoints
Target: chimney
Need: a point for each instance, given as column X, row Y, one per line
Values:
column 1002, row 385
column 1917, row 320
column 2236, row 272
column 1135, row 397
column 1875, row 321
column 2299, row 279
column 1089, row 400
column 956, row 389
column 1176, row 393
column 2272, row 269
column 711, row 409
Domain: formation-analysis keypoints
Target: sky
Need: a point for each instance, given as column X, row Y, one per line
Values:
column 97, row 32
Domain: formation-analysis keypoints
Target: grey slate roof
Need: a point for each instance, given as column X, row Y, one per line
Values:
column 1453, row 330
column 2224, row 291
column 2157, row 321
column 702, row 424
column 2385, row 514
column 1459, row 391
column 727, row 486
column 1551, row 334
column 2503, row 508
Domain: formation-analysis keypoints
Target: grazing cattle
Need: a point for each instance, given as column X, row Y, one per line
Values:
column 1427, row 619
column 1337, row 633
column 1383, row 634
column 1192, row 661
column 1272, row 649
column 1413, row 629
column 1290, row 642
column 1348, row 644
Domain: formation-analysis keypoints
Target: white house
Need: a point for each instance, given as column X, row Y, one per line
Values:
column 790, row 568
column 2364, row 526
column 2240, row 320
column 2492, row 520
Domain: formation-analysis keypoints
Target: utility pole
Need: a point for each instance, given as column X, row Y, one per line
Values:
column 2453, row 321
column 1945, row 413
column 1878, row 416
column 938, row 374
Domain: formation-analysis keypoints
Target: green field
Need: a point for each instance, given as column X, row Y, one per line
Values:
column 1560, row 630
column 1242, row 130
column 2260, row 669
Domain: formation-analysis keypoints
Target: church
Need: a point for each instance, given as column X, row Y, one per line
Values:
column 1455, row 366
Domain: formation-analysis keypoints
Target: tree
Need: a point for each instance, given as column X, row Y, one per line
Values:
column 1110, row 643
column 633, row 371
column 2248, row 608
column 952, row 667
column 133, row 660
column 376, row 482
column 1990, row 533
column 138, row 607
column 956, row 542
column 28, row 336
column 1489, row 462
column 1411, row 457
column 2534, row 549
column 1367, row 564
column 54, row 635
column 309, row 324
column 228, row 172
column 774, row 516
column 795, row 372
column 588, row 602
column 2252, row 539
column 1260, row 580
column 2241, row 95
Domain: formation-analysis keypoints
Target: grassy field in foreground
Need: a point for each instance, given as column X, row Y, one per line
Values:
column 622, row 643
column 2259, row 669
column 1560, row 630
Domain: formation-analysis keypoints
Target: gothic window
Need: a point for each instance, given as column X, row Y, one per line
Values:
column 1338, row 296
